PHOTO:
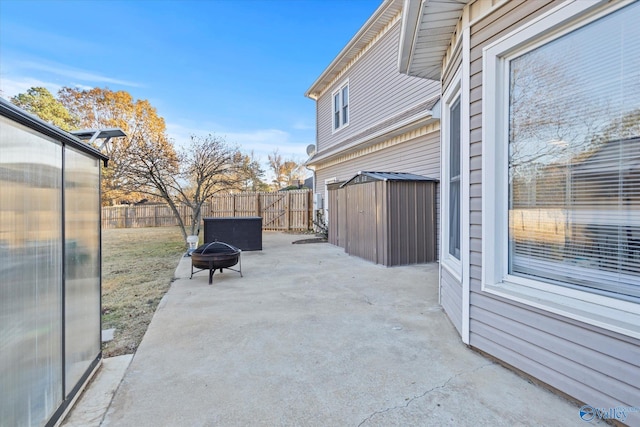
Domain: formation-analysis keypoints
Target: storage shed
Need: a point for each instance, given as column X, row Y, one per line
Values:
column 385, row 217
column 50, row 261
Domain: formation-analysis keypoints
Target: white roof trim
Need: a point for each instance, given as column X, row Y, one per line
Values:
column 380, row 18
column 427, row 27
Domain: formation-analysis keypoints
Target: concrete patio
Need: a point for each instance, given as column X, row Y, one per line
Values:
column 312, row 337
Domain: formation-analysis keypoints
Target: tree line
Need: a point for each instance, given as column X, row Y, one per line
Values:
column 147, row 164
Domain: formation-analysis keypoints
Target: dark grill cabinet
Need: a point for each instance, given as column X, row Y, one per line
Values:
column 244, row 232
column 385, row 217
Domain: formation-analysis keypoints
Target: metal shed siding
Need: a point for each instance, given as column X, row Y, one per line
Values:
column 337, row 236
column 389, row 222
column 411, row 210
column 362, row 221
column 420, row 156
column 377, row 91
column 596, row 366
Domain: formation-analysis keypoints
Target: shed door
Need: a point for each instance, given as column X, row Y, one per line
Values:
column 361, row 232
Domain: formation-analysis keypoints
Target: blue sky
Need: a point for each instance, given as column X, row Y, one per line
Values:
column 236, row 68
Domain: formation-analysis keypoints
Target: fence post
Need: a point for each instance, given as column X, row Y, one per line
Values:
column 287, row 212
column 307, row 203
column 258, row 212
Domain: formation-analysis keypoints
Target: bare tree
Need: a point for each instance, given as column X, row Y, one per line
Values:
column 254, row 174
column 286, row 172
column 205, row 167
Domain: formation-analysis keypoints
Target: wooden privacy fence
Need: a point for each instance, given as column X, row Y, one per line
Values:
column 281, row 210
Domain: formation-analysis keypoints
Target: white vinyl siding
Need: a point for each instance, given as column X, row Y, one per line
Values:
column 451, row 298
column 377, row 92
column 594, row 365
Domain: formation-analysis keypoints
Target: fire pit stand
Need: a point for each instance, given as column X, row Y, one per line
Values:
column 215, row 256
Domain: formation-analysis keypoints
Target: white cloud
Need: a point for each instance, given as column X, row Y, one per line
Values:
column 261, row 141
column 71, row 73
column 12, row 87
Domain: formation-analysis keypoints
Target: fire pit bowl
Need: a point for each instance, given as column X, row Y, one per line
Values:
column 215, row 256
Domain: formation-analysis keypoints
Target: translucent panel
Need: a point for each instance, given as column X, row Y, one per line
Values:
column 82, row 264
column 30, row 276
column 574, row 157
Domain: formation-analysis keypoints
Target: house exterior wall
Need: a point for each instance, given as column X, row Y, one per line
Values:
column 451, row 297
column 419, row 155
column 592, row 364
column 377, row 93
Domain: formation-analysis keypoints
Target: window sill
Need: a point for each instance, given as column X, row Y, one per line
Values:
column 607, row 313
column 334, row 130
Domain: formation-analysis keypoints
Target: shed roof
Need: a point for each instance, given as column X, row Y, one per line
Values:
column 364, row 176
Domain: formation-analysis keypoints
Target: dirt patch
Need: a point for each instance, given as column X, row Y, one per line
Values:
column 137, row 268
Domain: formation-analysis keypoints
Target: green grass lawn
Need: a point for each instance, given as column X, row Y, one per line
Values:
column 137, row 269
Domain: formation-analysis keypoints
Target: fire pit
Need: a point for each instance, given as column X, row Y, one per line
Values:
column 215, row 256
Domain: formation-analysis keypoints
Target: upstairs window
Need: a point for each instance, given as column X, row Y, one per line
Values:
column 341, row 107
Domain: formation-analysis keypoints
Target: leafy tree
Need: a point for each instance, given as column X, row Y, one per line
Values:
column 100, row 108
column 253, row 174
column 39, row 101
column 287, row 172
column 205, row 167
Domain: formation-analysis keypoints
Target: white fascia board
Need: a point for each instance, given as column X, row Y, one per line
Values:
column 404, row 127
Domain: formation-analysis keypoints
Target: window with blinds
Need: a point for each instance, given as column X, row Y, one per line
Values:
column 574, row 158
column 341, row 107
column 454, row 180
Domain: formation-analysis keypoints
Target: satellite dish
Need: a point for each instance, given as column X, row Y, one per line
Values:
column 311, row 150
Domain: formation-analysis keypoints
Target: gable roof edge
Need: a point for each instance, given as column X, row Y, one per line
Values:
column 384, row 14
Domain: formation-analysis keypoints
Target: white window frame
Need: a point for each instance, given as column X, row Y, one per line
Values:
column 341, row 106
column 452, row 264
column 326, row 197
column 602, row 311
